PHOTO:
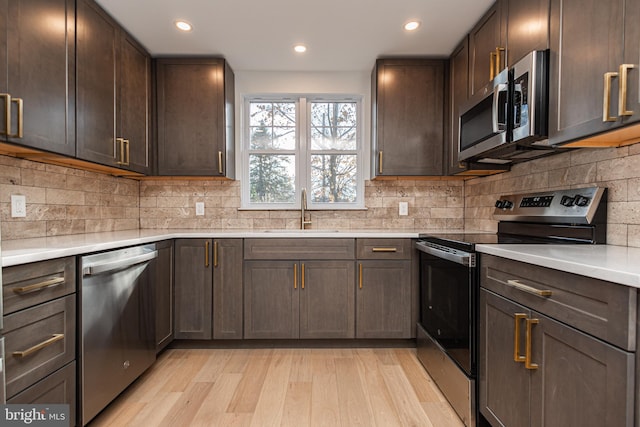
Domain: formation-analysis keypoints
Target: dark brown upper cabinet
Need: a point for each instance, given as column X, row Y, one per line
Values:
column 113, row 93
column 195, row 107
column 458, row 95
column 408, row 117
column 527, row 26
column 486, row 48
column 37, row 74
column 593, row 69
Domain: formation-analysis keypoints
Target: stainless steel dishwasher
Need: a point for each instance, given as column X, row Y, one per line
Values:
column 118, row 324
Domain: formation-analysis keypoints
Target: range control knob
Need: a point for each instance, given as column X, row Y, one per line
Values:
column 582, row 200
column 567, row 201
column 504, row 204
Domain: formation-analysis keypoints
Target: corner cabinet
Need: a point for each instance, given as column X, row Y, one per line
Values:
column 299, row 288
column 113, row 93
column 208, row 289
column 195, row 111
column 556, row 349
column 408, row 117
column 37, row 74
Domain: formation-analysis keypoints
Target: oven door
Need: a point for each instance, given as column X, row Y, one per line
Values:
column 483, row 120
column 448, row 289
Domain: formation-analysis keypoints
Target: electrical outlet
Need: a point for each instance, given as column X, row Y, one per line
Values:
column 403, row 208
column 199, row 208
column 18, row 206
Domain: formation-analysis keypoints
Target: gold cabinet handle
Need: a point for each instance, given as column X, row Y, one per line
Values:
column 606, row 100
column 215, row 254
column 20, row 104
column 7, row 113
column 302, row 278
column 622, row 99
column 530, row 289
column 54, row 338
column 220, row 171
column 518, row 317
column 384, row 249
column 295, row 276
column 120, row 142
column 360, row 276
column 380, row 162
column 527, row 351
column 128, row 152
column 492, row 65
column 39, row 286
column 498, row 59
column 206, row 254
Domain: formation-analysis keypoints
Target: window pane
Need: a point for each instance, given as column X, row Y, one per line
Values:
column 333, row 178
column 333, row 125
column 272, row 125
column 272, row 178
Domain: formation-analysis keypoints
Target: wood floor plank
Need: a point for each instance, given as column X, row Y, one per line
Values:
column 282, row 387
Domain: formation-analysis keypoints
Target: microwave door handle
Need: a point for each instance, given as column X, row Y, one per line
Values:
column 517, row 106
column 502, row 87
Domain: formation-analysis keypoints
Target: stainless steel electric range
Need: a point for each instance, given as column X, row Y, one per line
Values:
column 449, row 279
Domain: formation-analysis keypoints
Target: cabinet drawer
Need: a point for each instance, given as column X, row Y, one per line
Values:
column 30, row 284
column 603, row 309
column 299, row 249
column 384, row 249
column 38, row 341
column 57, row 388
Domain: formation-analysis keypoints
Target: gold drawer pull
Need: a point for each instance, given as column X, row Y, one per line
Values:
column 384, row 250
column 530, row 289
column 54, row 338
column 39, row 286
column 360, row 276
column 527, row 351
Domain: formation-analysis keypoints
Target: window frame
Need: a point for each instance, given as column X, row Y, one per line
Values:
column 303, row 151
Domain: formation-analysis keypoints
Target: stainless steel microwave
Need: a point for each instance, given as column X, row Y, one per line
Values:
column 506, row 121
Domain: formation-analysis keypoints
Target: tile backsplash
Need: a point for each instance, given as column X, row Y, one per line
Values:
column 68, row 201
column 618, row 169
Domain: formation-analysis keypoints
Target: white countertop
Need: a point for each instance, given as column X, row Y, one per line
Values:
column 618, row 264
column 23, row 251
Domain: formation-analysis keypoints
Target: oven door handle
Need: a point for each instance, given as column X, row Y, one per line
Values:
column 460, row 257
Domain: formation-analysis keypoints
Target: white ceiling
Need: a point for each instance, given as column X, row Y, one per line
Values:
column 341, row 35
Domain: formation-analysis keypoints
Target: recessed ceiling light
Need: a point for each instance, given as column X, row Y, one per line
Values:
column 183, row 25
column 300, row 48
column 411, row 25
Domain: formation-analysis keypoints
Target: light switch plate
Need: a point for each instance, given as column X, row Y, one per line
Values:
column 18, row 206
column 403, row 208
column 199, row 208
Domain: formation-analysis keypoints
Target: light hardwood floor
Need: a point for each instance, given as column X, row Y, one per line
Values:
column 282, row 387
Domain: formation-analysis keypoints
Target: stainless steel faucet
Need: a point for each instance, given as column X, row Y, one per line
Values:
column 303, row 207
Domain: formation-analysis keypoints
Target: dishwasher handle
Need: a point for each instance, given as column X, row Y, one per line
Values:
column 119, row 264
column 450, row 254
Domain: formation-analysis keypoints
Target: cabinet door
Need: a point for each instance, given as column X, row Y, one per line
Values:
column 193, row 288
column 134, row 95
column 96, row 74
column 38, row 66
column 580, row 380
column 632, row 56
column 458, row 95
column 410, row 123
column 191, row 117
column 383, row 299
column 271, row 299
column 586, row 41
column 527, row 27
column 504, row 383
column 227, row 289
column 327, row 299
column 484, row 38
column 163, row 286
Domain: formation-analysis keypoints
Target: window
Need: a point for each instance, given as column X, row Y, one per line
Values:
column 308, row 142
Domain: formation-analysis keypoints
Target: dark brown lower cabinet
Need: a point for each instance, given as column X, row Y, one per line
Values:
column 562, row 376
column 163, row 281
column 208, row 274
column 299, row 299
column 383, row 299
